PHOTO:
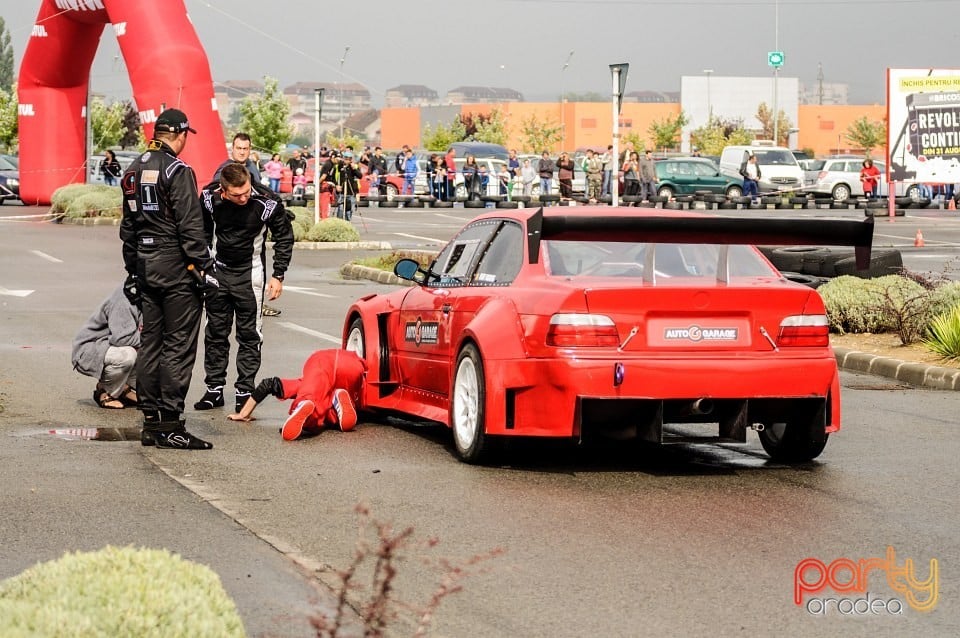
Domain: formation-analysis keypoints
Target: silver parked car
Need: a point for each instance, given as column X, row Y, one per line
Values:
column 839, row 177
column 95, row 175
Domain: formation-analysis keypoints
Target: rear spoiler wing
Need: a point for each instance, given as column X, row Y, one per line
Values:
column 703, row 230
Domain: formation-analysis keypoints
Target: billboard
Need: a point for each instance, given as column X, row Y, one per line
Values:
column 923, row 132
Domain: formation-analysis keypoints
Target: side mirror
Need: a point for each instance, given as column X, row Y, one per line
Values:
column 407, row 269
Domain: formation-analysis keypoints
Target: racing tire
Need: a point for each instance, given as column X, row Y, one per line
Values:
column 523, row 199
column 784, row 206
column 630, row 199
column 427, row 199
column 413, row 203
column 728, row 205
column 441, row 204
column 673, row 206
column 467, row 407
column 362, row 203
column 799, row 201
column 474, row 203
column 391, row 192
column 921, row 202
column 744, row 201
column 802, row 278
column 793, row 442
column 807, row 260
column 493, row 198
column 404, row 199
column 373, row 198
column 549, row 198
column 686, row 199
column 882, row 262
column 839, row 205
column 508, row 204
column 823, row 201
column 356, row 341
column 770, row 200
column 883, row 212
column 902, row 202
column 390, row 204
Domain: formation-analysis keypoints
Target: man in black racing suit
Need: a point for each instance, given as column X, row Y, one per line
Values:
column 237, row 218
column 167, row 261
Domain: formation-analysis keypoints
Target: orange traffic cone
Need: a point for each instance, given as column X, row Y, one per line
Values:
column 918, row 240
column 952, row 205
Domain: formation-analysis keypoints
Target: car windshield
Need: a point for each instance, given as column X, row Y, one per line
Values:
column 7, row 165
column 773, row 156
column 813, row 165
column 630, row 259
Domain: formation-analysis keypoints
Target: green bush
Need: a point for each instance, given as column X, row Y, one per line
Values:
column 945, row 298
column 117, row 592
column 302, row 215
column 889, row 303
column 333, row 229
column 943, row 335
column 86, row 200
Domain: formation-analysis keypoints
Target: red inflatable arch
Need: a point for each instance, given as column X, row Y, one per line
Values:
column 167, row 66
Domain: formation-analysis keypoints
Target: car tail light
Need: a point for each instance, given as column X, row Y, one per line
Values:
column 804, row 330
column 572, row 329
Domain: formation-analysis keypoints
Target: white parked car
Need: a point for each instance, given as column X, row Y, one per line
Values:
column 94, row 162
column 779, row 170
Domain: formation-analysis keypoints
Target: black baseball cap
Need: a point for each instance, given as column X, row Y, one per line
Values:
column 173, row 121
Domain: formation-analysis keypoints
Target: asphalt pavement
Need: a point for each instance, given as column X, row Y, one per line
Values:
column 64, row 491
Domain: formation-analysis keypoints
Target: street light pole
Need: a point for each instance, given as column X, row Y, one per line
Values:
column 318, row 103
column 563, row 123
column 776, row 73
column 708, row 72
column 340, row 97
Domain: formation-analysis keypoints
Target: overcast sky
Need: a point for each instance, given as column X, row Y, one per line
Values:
column 524, row 44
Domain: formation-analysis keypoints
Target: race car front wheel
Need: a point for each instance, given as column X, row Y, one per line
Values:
column 793, row 442
column 466, row 409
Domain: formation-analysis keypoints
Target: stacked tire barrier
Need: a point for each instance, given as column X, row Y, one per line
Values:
column 812, row 265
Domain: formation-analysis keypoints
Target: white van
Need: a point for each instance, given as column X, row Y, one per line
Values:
column 779, row 170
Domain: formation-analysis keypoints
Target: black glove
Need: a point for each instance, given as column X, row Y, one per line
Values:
column 204, row 282
column 131, row 289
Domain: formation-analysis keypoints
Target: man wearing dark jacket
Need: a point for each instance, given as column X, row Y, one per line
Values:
column 378, row 168
column 167, row 261
column 237, row 220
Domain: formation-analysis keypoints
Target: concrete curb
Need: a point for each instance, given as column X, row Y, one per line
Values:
column 919, row 374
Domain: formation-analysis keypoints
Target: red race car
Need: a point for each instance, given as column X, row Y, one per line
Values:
column 573, row 322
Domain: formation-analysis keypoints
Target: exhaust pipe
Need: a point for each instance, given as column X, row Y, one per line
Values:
column 759, row 427
column 701, row 406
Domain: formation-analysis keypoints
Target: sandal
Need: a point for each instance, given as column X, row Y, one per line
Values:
column 128, row 398
column 104, row 400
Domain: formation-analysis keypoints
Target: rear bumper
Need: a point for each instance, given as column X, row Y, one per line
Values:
column 558, row 397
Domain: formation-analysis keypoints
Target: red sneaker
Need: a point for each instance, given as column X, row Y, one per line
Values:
column 294, row 425
column 346, row 413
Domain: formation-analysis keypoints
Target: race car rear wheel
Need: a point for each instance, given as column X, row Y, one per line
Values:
column 793, row 442
column 467, row 408
column 356, row 342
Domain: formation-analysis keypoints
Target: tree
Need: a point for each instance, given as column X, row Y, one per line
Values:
column 589, row 96
column 6, row 57
column 717, row 133
column 865, row 134
column 765, row 116
column 8, row 118
column 266, row 117
column 539, row 136
column 493, row 130
column 665, row 133
column 443, row 136
column 348, row 139
column 106, row 124
column 133, row 134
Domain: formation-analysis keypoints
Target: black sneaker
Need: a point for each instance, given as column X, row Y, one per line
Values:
column 241, row 400
column 180, row 440
column 148, row 438
column 213, row 398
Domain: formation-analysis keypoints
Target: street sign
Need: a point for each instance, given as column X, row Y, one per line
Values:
column 775, row 59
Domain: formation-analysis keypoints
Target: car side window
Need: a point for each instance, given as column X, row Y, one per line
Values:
column 853, row 167
column 683, row 168
column 501, row 263
column 703, row 170
column 455, row 262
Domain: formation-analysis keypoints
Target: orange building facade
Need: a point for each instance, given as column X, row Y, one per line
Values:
column 822, row 129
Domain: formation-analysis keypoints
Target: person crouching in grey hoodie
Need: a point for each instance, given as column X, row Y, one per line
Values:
column 106, row 347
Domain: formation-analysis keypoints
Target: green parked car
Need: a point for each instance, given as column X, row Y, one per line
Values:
column 687, row 175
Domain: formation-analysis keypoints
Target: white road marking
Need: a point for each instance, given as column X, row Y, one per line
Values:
column 308, row 291
column 43, row 255
column 308, row 331
column 459, row 219
column 14, row 293
column 439, row 241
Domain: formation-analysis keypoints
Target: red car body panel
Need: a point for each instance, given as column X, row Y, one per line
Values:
column 413, row 336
